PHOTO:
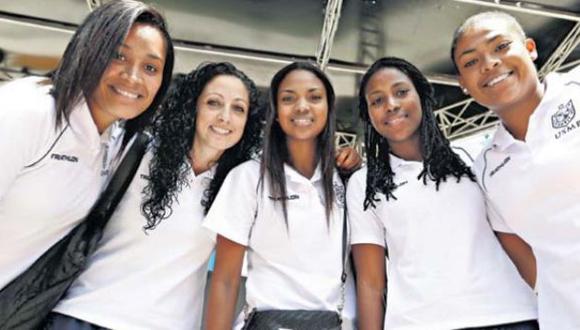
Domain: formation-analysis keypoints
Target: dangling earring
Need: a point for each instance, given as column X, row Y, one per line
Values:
column 464, row 90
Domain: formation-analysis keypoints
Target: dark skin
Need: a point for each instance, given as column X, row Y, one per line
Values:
column 369, row 260
column 307, row 100
column 521, row 255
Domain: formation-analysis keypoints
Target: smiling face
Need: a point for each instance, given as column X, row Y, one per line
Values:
column 394, row 109
column 222, row 112
column 302, row 106
column 132, row 79
column 496, row 66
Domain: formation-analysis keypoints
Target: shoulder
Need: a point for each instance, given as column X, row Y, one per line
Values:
column 463, row 154
column 247, row 173
column 27, row 99
column 358, row 179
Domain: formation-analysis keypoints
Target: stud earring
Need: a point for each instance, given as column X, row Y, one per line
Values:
column 465, row 91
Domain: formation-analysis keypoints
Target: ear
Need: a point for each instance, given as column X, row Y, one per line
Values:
column 531, row 48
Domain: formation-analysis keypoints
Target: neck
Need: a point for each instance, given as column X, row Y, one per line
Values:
column 409, row 150
column 203, row 158
column 303, row 156
column 516, row 117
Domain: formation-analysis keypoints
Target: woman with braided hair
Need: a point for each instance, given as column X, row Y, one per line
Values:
column 418, row 197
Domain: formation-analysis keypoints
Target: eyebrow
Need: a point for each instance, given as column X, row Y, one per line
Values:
column 221, row 96
column 471, row 50
column 150, row 55
column 397, row 84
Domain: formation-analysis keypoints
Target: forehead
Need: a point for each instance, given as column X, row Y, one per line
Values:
column 488, row 28
column 226, row 85
column 387, row 78
column 300, row 79
column 147, row 37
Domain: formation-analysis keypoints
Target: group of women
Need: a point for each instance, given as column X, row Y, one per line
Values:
column 207, row 181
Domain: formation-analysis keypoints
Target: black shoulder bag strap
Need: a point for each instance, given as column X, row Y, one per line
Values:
column 29, row 298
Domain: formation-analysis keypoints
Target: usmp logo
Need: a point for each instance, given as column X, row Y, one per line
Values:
column 564, row 116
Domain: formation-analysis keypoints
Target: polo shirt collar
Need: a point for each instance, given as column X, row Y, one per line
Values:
column 397, row 162
column 83, row 125
column 293, row 175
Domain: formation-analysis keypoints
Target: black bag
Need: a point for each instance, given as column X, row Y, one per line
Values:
column 304, row 319
column 293, row 319
column 29, row 298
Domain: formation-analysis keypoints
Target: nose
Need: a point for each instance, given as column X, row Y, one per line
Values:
column 392, row 104
column 489, row 62
column 224, row 114
column 302, row 105
column 132, row 73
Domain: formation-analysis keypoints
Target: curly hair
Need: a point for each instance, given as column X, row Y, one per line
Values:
column 439, row 160
column 173, row 133
column 275, row 151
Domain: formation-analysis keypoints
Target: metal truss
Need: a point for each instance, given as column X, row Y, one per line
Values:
column 331, row 18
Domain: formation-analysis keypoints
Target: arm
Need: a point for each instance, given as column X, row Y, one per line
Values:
column 521, row 255
column 224, row 286
column 369, row 261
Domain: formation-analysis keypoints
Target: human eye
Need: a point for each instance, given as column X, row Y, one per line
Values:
column 377, row 101
column 402, row 92
column 213, row 103
column 502, row 46
column 239, row 108
column 286, row 98
column 469, row 63
column 119, row 56
column 151, row 68
column 315, row 97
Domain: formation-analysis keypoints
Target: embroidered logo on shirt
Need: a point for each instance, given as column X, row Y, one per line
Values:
column 72, row 159
column 499, row 167
column 339, row 194
column 291, row 197
column 564, row 115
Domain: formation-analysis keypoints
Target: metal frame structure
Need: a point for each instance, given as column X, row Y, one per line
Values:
column 453, row 118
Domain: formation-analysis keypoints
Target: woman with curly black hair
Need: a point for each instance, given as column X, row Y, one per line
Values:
column 150, row 269
column 418, row 197
column 287, row 213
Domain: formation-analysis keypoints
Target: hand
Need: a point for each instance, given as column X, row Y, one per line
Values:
column 348, row 160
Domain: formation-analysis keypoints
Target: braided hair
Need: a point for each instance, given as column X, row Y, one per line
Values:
column 439, row 161
column 173, row 132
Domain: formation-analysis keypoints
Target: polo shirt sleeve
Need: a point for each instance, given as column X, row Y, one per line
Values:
column 234, row 208
column 24, row 118
column 495, row 218
column 366, row 227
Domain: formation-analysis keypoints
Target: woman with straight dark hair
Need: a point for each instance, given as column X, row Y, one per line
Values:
column 150, row 269
column 417, row 197
column 61, row 137
column 285, row 211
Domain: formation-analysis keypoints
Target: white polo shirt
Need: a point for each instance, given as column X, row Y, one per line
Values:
column 535, row 187
column 298, row 267
column 147, row 280
column 446, row 268
column 50, row 177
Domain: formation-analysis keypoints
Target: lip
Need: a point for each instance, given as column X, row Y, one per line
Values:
column 497, row 79
column 220, row 130
column 125, row 92
column 395, row 120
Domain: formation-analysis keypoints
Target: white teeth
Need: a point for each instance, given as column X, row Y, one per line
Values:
column 497, row 79
column 220, row 130
column 126, row 93
column 302, row 121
